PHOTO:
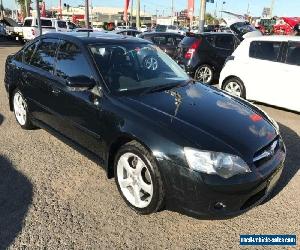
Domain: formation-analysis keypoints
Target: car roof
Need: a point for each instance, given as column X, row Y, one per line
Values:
column 94, row 37
column 274, row 38
column 119, row 31
column 160, row 33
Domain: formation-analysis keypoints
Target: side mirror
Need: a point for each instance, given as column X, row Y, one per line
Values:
column 81, row 83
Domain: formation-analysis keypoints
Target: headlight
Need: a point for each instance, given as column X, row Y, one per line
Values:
column 224, row 165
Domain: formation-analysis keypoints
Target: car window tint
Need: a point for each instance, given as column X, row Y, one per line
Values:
column 71, row 25
column 170, row 41
column 46, row 23
column 71, row 62
column 27, row 23
column 19, row 56
column 159, row 40
column 178, row 39
column 62, row 24
column 265, row 50
column 28, row 52
column 293, row 54
column 211, row 40
column 224, row 42
column 44, row 56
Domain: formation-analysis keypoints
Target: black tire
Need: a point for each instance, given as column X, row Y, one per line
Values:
column 237, row 81
column 28, row 124
column 198, row 77
column 158, row 197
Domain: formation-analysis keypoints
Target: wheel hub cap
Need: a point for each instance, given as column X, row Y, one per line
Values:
column 135, row 180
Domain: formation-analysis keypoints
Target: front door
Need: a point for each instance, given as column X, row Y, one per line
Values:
column 77, row 110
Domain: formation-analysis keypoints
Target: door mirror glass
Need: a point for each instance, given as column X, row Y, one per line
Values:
column 81, row 82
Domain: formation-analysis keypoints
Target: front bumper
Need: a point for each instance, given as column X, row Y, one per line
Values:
column 213, row 197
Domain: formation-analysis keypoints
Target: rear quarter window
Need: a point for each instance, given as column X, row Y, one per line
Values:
column 265, row 50
column 293, row 53
column 46, row 23
column 28, row 23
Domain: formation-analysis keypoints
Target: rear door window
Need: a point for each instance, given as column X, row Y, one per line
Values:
column 44, row 56
column 62, row 24
column 28, row 52
column 46, row 23
column 293, row 53
column 224, row 42
column 265, row 50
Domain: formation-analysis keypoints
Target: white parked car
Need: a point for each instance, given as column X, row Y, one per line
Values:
column 144, row 28
column 49, row 25
column 265, row 69
column 30, row 29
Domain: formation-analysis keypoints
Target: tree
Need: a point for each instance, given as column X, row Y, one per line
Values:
column 24, row 8
column 209, row 19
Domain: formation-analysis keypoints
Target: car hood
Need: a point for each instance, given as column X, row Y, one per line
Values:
column 195, row 109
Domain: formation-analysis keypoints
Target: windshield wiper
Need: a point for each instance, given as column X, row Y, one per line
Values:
column 164, row 87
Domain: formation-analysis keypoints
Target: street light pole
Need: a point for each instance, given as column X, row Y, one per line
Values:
column 131, row 13
column 38, row 16
column 2, row 14
column 138, row 14
column 202, row 16
column 87, row 17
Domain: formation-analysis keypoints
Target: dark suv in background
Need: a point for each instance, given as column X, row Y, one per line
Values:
column 203, row 55
column 166, row 41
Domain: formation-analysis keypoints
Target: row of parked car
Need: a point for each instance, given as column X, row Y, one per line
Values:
column 259, row 68
column 246, row 70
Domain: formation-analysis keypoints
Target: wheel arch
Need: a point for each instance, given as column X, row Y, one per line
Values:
column 114, row 147
column 232, row 77
column 10, row 96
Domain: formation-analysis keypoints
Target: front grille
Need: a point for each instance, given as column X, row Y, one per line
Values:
column 266, row 153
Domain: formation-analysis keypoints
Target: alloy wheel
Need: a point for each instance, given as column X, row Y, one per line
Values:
column 204, row 74
column 234, row 88
column 20, row 108
column 134, row 180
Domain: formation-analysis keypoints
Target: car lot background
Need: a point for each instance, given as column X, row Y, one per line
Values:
column 52, row 196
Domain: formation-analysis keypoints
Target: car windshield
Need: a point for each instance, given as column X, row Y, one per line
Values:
column 136, row 67
column 242, row 28
column 161, row 28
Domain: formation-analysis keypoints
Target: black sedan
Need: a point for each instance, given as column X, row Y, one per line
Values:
column 168, row 141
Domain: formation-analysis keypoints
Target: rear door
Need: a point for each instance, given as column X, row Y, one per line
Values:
column 224, row 46
column 289, row 85
column 265, row 71
column 38, row 75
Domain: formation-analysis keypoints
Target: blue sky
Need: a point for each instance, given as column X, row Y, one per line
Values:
column 282, row 7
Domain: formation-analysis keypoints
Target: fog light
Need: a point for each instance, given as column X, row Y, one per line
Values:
column 219, row 205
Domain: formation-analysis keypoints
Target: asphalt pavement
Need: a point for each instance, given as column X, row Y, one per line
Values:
column 53, row 197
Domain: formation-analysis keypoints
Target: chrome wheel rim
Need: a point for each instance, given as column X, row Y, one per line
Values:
column 20, row 109
column 234, row 88
column 134, row 180
column 204, row 74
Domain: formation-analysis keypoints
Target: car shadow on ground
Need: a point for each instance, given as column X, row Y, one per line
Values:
column 16, row 193
column 292, row 161
column 291, row 167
